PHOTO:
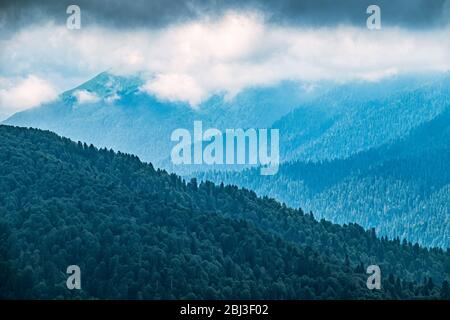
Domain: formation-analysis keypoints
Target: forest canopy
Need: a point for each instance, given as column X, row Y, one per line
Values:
column 137, row 232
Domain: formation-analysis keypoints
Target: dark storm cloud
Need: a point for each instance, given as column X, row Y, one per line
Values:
column 159, row 13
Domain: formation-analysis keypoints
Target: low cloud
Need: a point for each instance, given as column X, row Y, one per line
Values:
column 85, row 97
column 27, row 93
column 176, row 87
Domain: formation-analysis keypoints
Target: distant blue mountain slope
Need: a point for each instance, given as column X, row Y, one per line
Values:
column 381, row 148
column 121, row 116
column 316, row 121
column 343, row 123
column 400, row 189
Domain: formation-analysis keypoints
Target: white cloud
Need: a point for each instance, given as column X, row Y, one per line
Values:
column 27, row 93
column 84, row 97
column 110, row 99
column 176, row 87
column 191, row 61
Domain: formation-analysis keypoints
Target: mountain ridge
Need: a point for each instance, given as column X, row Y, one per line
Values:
column 98, row 208
column 386, row 188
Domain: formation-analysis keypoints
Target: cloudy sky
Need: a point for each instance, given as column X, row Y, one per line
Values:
column 189, row 50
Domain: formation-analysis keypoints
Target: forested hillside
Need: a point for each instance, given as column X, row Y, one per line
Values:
column 359, row 117
column 137, row 232
column 401, row 189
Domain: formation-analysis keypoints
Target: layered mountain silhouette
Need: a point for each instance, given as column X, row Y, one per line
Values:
column 400, row 189
column 126, row 118
column 141, row 233
column 374, row 153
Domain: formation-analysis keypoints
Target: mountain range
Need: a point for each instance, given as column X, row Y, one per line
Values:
column 122, row 116
column 400, row 189
column 374, row 153
column 317, row 121
column 137, row 232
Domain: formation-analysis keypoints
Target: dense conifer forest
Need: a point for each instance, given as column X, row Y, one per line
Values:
column 402, row 188
column 141, row 233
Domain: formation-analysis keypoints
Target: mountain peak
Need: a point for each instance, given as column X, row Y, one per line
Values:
column 106, row 86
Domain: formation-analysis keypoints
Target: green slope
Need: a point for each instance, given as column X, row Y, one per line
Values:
column 137, row 232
